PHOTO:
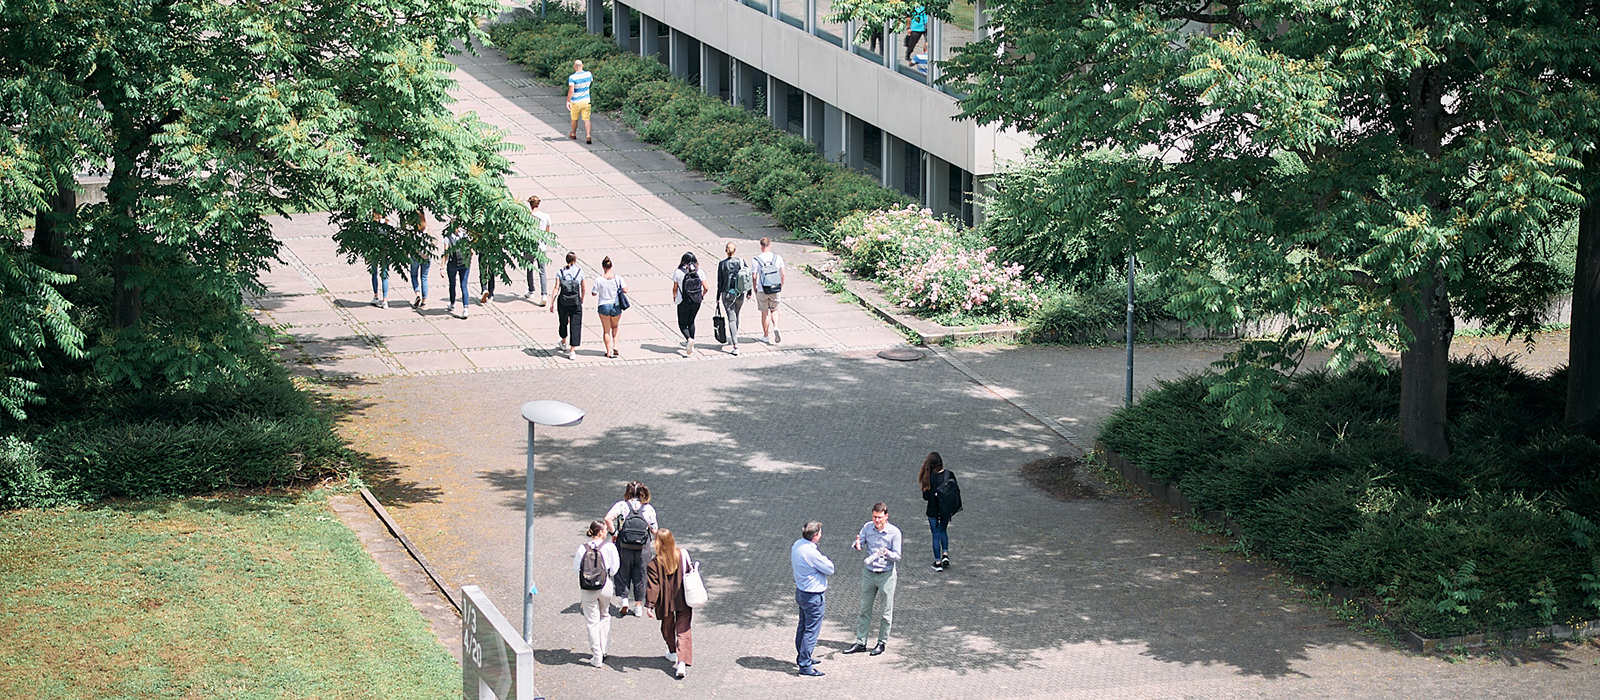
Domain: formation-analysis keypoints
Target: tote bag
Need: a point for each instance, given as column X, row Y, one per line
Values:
column 694, row 588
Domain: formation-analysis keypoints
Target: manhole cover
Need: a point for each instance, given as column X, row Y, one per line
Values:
column 902, row 354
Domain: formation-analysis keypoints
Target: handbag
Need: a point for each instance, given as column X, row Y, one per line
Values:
column 719, row 327
column 622, row 299
column 694, row 588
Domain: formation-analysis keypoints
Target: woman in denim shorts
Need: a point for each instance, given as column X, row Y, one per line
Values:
column 607, row 290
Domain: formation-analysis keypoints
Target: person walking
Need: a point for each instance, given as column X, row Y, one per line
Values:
column 733, row 287
column 631, row 521
column 608, row 291
column 596, row 563
column 570, row 290
column 578, row 100
column 882, row 542
column 379, row 272
column 533, row 263
column 811, row 572
column 421, row 266
column 917, row 27
column 457, row 263
column 688, row 291
column 943, row 494
column 665, row 600
column 768, row 282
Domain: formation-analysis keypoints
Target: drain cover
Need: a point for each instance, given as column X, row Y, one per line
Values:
column 902, row 354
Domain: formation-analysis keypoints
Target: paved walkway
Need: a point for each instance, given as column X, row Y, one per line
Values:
column 1047, row 599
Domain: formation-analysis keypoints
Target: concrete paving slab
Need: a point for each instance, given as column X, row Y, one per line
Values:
column 434, row 361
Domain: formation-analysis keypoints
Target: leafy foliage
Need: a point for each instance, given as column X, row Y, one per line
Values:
column 876, row 13
column 1498, row 536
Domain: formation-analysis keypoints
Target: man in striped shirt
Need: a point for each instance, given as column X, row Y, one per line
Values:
column 578, row 100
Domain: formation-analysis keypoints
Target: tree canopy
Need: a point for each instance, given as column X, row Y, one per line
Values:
column 209, row 117
column 1368, row 170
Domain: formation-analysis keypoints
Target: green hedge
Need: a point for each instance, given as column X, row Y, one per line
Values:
column 1492, row 538
column 93, row 441
column 776, row 172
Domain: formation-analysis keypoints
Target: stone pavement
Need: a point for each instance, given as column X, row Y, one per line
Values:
column 618, row 198
column 1080, row 599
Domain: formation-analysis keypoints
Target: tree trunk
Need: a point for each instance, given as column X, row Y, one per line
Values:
column 1425, row 370
column 51, row 224
column 1583, row 353
column 127, row 300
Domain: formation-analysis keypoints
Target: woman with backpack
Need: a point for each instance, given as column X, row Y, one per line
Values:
column 596, row 562
column 632, row 521
column 688, row 290
column 943, row 494
column 609, row 290
column 570, row 289
column 734, row 285
column 666, row 601
column 457, row 263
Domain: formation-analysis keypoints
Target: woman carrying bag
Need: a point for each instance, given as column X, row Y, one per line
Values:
column 666, row 599
column 596, row 563
column 943, row 494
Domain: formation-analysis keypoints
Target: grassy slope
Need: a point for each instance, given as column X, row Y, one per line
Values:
column 232, row 597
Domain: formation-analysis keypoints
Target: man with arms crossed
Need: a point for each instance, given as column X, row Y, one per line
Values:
column 811, row 572
column 881, row 541
column 578, row 100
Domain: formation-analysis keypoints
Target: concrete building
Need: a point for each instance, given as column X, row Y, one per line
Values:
column 874, row 108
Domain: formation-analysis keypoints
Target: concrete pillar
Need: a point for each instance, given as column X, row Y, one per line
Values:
column 855, row 139
column 979, row 186
column 594, row 16
column 649, row 36
column 777, row 103
column 745, row 82
column 622, row 26
column 894, row 162
column 936, row 186
column 980, row 19
column 811, row 16
column 935, row 48
column 678, row 54
column 710, row 71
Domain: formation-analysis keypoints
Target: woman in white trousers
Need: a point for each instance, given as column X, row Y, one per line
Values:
column 597, row 603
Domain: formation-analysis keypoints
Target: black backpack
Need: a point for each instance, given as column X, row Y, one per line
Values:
column 592, row 573
column 949, row 495
column 571, row 289
column 694, row 291
column 635, row 530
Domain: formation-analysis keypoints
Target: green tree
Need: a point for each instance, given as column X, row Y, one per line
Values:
column 211, row 116
column 1369, row 170
column 871, row 14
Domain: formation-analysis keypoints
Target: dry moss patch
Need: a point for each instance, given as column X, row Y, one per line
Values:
column 1058, row 476
column 224, row 597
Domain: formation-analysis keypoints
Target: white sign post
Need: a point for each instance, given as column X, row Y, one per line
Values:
column 495, row 663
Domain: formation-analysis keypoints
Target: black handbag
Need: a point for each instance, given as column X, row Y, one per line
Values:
column 719, row 327
column 622, row 300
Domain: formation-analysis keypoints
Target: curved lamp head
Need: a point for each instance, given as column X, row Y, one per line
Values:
column 551, row 413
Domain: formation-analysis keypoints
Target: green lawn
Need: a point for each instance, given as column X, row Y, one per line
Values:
column 228, row 597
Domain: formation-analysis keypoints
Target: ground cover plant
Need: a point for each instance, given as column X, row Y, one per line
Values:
column 232, row 597
column 1501, row 535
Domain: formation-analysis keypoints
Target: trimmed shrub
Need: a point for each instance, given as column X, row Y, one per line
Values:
column 710, row 143
column 26, row 484
column 1498, row 536
column 837, row 194
column 1084, row 315
column 645, row 97
column 616, row 76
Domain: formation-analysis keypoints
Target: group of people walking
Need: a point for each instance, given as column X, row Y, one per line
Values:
column 737, row 280
column 629, row 559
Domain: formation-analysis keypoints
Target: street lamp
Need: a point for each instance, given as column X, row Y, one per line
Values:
column 541, row 413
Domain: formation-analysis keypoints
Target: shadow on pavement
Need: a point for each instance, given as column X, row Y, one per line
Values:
column 825, row 437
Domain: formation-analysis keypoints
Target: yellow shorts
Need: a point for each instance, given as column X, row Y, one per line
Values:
column 580, row 110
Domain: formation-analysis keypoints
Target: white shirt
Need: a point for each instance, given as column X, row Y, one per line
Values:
column 606, row 289
column 768, row 258
column 621, row 510
column 544, row 221
column 608, row 554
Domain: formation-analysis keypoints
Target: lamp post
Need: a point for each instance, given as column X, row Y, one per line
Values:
column 1127, row 399
column 537, row 413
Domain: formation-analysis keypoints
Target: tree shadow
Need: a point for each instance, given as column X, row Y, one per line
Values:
column 826, row 436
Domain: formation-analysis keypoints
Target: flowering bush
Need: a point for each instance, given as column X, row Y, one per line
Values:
column 928, row 265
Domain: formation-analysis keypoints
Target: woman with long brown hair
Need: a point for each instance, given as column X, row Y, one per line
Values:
column 665, row 600
column 938, row 486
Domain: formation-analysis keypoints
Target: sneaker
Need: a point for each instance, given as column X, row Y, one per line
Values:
column 597, row 661
column 938, row 567
column 944, row 561
column 681, row 671
column 452, row 309
column 671, row 656
column 383, row 304
column 375, row 301
column 766, row 339
column 572, row 353
column 464, row 310
column 543, row 300
column 777, row 337
column 417, row 302
column 422, row 302
column 734, row 351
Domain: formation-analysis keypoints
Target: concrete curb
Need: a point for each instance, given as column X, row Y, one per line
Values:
column 1072, row 439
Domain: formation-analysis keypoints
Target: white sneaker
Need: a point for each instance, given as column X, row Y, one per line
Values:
column 671, row 656
column 597, row 661
column 735, row 351
column 681, row 671
column 777, row 337
column 452, row 309
column 464, row 310
column 766, row 339
column 572, row 353
column 374, row 301
column 383, row 304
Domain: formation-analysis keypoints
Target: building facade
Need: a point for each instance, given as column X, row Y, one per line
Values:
column 875, row 108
